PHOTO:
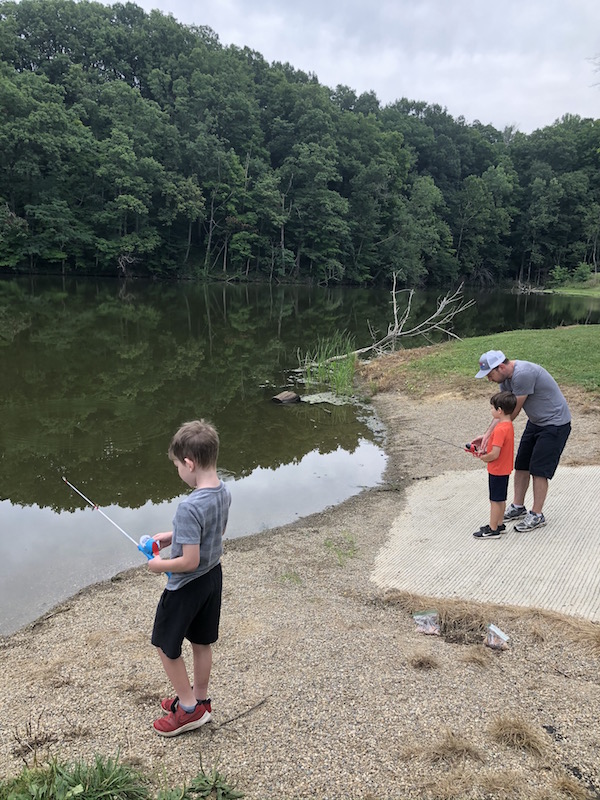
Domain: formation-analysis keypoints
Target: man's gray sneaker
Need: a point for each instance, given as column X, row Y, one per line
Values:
column 531, row 521
column 514, row 512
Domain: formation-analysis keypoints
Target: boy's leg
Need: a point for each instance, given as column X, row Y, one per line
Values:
column 497, row 510
column 205, row 628
column 202, row 666
column 177, row 674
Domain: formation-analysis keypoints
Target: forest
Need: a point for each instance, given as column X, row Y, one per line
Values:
column 134, row 145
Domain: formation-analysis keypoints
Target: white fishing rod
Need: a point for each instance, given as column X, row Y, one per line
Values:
column 147, row 545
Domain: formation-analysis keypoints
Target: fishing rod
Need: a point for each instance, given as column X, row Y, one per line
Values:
column 147, row 545
column 469, row 447
column 466, row 448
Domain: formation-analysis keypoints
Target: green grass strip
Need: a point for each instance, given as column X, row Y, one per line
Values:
column 570, row 354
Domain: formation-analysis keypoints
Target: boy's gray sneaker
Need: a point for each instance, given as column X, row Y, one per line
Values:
column 514, row 512
column 531, row 521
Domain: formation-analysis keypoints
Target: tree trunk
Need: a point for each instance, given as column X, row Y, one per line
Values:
column 211, row 223
column 189, row 242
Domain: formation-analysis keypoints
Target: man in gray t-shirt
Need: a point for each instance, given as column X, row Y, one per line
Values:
column 545, row 435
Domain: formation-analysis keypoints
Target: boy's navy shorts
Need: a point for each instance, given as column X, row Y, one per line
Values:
column 498, row 487
column 191, row 612
column 541, row 447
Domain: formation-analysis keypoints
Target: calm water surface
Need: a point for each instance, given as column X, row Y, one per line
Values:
column 97, row 376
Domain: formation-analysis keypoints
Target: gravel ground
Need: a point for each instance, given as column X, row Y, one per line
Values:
column 321, row 686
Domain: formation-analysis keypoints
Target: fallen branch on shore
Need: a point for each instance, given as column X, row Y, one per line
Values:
column 447, row 308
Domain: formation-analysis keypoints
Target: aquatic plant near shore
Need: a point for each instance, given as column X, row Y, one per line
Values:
column 331, row 364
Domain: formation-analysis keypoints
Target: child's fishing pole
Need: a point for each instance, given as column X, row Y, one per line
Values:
column 469, row 448
column 147, row 545
column 466, row 448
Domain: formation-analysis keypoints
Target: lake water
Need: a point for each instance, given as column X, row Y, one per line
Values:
column 96, row 377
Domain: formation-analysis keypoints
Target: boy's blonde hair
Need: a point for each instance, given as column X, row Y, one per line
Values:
column 197, row 440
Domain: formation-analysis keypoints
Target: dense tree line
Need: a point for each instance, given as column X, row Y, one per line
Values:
column 132, row 143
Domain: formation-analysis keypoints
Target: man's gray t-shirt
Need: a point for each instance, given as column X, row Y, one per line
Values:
column 545, row 404
column 201, row 518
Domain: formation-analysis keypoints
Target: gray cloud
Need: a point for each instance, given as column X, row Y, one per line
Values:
column 522, row 62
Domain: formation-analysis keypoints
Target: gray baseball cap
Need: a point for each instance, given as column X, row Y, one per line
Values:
column 489, row 361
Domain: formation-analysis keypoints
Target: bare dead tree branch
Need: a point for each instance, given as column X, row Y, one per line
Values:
column 446, row 310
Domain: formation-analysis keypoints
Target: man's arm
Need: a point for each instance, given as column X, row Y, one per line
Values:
column 480, row 442
column 520, row 400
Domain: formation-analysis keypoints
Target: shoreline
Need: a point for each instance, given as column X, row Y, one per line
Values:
column 321, row 687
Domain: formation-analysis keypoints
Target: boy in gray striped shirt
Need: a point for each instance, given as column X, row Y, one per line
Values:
column 190, row 605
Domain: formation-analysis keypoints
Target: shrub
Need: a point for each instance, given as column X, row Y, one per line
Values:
column 583, row 273
column 558, row 276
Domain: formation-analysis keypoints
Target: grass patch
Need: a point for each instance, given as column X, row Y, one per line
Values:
column 589, row 288
column 32, row 740
column 460, row 622
column 515, row 732
column 343, row 549
column 209, row 784
column 477, row 656
column 571, row 355
column 423, row 661
column 569, row 787
column 452, row 748
column 108, row 779
column 291, row 577
column 465, row 782
column 576, row 291
column 332, row 364
column 545, row 625
column 584, row 633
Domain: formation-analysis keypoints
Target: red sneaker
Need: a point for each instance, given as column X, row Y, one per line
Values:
column 171, row 703
column 179, row 721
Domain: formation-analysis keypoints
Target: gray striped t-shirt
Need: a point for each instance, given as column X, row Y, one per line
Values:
column 200, row 519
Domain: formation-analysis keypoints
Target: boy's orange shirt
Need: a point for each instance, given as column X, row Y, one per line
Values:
column 503, row 436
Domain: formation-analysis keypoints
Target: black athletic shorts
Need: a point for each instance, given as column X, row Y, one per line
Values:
column 541, row 447
column 498, row 487
column 192, row 612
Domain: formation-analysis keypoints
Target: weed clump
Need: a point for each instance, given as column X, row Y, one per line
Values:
column 452, row 748
column 517, row 733
column 423, row 661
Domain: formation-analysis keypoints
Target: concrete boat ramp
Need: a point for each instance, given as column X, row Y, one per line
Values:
column 431, row 551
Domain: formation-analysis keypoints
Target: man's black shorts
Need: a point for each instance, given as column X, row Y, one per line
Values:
column 541, row 447
column 498, row 487
column 192, row 612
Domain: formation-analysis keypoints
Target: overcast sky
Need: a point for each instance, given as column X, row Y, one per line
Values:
column 515, row 62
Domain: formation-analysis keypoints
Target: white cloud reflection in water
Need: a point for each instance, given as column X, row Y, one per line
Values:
column 48, row 557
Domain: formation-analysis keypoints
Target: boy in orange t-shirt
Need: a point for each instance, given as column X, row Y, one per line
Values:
column 499, row 459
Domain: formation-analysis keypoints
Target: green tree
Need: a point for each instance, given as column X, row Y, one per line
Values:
column 318, row 213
